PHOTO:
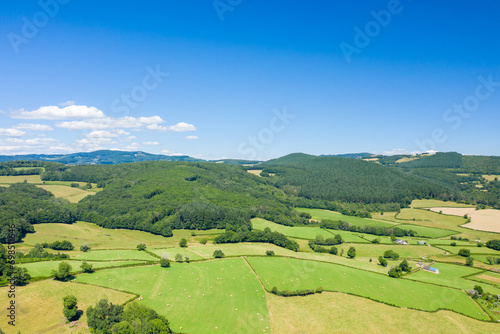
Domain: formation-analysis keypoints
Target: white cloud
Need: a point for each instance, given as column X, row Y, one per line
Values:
column 33, row 127
column 55, row 112
column 192, row 137
column 167, row 152
column 101, row 134
column 156, row 127
column 33, row 146
column 132, row 147
column 110, row 123
column 11, row 132
column 67, row 103
column 152, row 143
column 181, row 127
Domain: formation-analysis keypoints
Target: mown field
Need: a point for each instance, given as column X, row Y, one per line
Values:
column 292, row 274
column 44, row 268
column 339, row 312
column 218, row 296
column 115, row 254
column 100, row 238
column 473, row 250
column 434, row 203
column 319, row 214
column 40, row 304
column 304, row 232
column 74, row 195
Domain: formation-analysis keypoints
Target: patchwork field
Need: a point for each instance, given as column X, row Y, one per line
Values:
column 429, row 232
column 100, row 238
column 473, row 250
column 304, row 232
column 74, row 195
column 488, row 277
column 485, row 220
column 44, row 268
column 451, row 275
column 115, row 254
column 35, row 300
column 454, row 211
column 319, row 214
column 404, row 251
column 432, row 203
column 227, row 288
column 20, row 178
column 292, row 274
column 339, row 312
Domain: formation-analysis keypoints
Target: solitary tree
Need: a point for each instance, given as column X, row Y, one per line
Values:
column 178, row 257
column 351, row 253
column 218, row 254
column 164, row 261
column 141, row 246
column 464, row 252
column 333, row 250
column 63, row 271
column 183, row 242
column 382, row 261
column 85, row 247
column 270, row 253
column 87, row 267
column 469, row 262
column 70, row 309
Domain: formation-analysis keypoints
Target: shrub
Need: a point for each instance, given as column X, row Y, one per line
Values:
column 382, row 261
column 218, row 254
column 333, row 250
column 87, row 268
column 63, row 271
column 389, row 254
column 376, row 241
column 453, row 244
column 395, row 272
column 270, row 253
column 464, row 252
column 141, row 246
column 186, row 258
column 469, row 262
column 74, row 185
column 178, row 257
column 203, row 241
column 493, row 244
column 85, row 247
column 351, row 253
column 183, row 242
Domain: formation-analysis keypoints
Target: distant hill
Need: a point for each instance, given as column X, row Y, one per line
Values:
column 350, row 155
column 103, row 157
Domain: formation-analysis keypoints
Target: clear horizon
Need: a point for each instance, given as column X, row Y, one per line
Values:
column 249, row 80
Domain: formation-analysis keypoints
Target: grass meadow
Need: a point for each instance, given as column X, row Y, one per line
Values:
column 218, row 296
column 331, row 312
column 115, row 254
column 44, row 268
column 293, row 274
column 319, row 214
column 40, row 305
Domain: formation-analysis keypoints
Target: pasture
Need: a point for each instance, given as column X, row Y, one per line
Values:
column 20, row 178
column 293, row 274
column 491, row 177
column 404, row 251
column 240, row 249
column 173, row 251
column 450, row 275
column 432, row 203
column 328, row 312
column 44, row 268
column 304, row 232
column 218, row 296
column 100, row 238
column 488, row 278
column 40, row 305
column 473, row 250
column 74, row 195
column 429, row 232
column 319, row 214
column 115, row 254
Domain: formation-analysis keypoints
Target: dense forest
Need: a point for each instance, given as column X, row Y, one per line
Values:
column 23, row 204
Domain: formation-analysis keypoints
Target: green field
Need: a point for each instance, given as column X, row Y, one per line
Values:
column 74, row 195
column 171, row 252
column 44, row 268
column 20, row 178
column 473, row 250
column 115, row 254
column 219, row 296
column 489, row 278
column 319, row 214
column 40, row 304
column 292, row 274
column 100, row 238
column 450, row 275
column 428, row 232
column 404, row 251
column 304, row 232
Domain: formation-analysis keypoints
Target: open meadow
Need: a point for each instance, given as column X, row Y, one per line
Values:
column 319, row 214
column 74, row 195
column 44, row 268
column 217, row 296
column 293, row 274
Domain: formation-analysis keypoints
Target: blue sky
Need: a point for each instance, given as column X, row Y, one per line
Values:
column 249, row 79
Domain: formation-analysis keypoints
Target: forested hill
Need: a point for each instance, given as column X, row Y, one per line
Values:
column 351, row 180
column 160, row 196
column 97, row 157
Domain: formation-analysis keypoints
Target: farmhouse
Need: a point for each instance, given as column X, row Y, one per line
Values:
column 419, row 264
column 431, row 269
column 401, row 242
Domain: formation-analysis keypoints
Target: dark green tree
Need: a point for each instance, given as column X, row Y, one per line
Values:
column 63, row 272
column 469, row 261
column 141, row 246
column 351, row 253
column 87, row 267
column 183, row 242
column 464, row 252
column 382, row 261
column 218, row 254
column 70, row 309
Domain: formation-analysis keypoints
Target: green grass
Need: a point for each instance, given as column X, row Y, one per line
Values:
column 292, row 274
column 198, row 296
column 450, row 275
column 404, row 251
column 303, row 232
column 473, row 250
column 434, row 203
column 319, row 214
column 171, row 252
column 20, row 178
column 100, row 238
column 74, row 195
column 429, row 232
column 44, row 268
column 241, row 249
column 115, row 254
column 489, row 278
